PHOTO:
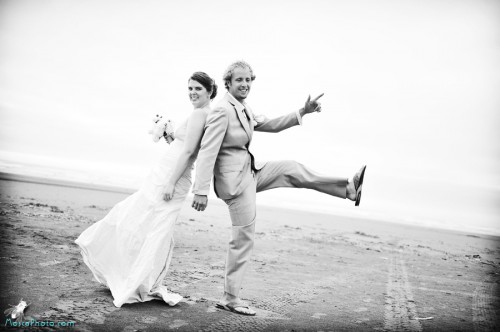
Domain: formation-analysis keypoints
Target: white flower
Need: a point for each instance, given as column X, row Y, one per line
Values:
column 162, row 128
column 258, row 119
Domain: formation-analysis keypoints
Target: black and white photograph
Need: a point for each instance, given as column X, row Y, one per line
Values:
column 280, row 165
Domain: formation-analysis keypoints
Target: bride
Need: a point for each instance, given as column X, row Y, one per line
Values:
column 130, row 249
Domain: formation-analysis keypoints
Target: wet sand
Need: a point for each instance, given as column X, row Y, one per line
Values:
column 309, row 272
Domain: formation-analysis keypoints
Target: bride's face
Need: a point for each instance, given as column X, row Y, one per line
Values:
column 198, row 95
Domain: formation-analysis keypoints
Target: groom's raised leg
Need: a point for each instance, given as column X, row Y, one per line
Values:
column 291, row 174
column 242, row 211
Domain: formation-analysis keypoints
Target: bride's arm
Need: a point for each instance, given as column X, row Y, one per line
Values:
column 195, row 125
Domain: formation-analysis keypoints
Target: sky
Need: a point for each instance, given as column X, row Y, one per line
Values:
column 411, row 89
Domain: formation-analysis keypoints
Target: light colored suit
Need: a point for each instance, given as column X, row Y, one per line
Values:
column 224, row 154
column 224, row 149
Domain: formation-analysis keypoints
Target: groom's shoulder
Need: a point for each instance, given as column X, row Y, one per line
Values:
column 223, row 103
column 222, row 106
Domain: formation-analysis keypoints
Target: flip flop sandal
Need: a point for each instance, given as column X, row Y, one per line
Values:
column 359, row 185
column 234, row 308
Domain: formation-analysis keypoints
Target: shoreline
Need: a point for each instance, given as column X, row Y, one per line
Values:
column 15, row 177
column 63, row 183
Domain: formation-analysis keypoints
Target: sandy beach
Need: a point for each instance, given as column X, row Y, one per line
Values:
column 309, row 272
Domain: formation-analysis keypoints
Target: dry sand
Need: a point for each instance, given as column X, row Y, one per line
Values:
column 309, row 272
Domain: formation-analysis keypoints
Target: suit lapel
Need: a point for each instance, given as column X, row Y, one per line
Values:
column 240, row 111
column 249, row 112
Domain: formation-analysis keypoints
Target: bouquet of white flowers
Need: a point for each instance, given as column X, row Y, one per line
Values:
column 162, row 128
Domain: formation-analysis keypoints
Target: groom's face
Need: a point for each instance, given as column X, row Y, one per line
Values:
column 240, row 84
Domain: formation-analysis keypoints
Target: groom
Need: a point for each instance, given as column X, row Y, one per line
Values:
column 225, row 155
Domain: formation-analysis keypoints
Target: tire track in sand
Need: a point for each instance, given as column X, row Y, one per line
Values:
column 400, row 310
column 484, row 316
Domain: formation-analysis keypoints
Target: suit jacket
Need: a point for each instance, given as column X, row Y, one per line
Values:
column 224, row 150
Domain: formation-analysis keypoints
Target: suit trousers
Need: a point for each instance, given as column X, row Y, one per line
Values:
column 242, row 209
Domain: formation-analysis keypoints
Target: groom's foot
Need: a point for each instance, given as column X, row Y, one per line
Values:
column 234, row 304
column 351, row 190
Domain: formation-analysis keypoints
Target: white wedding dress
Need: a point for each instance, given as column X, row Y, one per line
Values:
column 130, row 249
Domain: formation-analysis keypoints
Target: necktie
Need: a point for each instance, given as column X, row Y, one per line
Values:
column 246, row 115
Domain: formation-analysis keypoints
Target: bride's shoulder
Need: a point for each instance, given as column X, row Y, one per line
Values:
column 203, row 110
column 200, row 112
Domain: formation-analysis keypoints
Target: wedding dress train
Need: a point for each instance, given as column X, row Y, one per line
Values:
column 130, row 249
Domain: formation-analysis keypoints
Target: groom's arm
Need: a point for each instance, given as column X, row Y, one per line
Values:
column 215, row 130
column 277, row 124
column 286, row 121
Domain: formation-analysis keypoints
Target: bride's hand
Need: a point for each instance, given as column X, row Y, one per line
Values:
column 169, row 192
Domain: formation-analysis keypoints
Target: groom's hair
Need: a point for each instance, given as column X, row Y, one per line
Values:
column 228, row 74
column 207, row 82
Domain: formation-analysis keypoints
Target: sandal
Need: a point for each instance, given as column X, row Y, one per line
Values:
column 358, row 184
column 233, row 307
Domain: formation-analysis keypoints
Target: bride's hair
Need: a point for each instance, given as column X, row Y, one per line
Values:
column 207, row 82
